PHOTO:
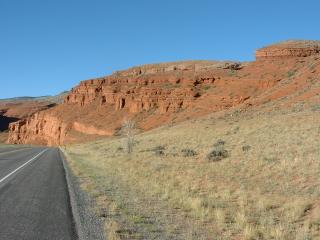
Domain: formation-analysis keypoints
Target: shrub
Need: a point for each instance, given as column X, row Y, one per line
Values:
column 218, row 152
column 232, row 73
column 270, row 159
column 119, row 149
column 159, row 150
column 290, row 74
column 207, row 87
column 246, row 148
column 315, row 107
column 220, row 142
column 189, row 152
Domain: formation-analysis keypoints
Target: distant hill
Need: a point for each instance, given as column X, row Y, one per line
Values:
column 54, row 99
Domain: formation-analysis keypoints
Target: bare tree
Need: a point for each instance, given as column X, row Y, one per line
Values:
column 128, row 130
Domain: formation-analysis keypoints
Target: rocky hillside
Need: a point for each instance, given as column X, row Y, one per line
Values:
column 15, row 109
column 156, row 94
column 289, row 49
column 11, row 111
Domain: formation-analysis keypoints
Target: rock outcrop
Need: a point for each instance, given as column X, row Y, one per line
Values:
column 289, row 49
column 147, row 90
column 137, row 94
column 41, row 128
column 14, row 110
column 156, row 94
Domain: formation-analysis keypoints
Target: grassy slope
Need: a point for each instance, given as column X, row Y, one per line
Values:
column 3, row 137
column 268, row 187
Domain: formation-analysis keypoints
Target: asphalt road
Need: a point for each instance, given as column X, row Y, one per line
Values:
column 34, row 199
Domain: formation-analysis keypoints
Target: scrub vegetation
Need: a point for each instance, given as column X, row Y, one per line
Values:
column 252, row 175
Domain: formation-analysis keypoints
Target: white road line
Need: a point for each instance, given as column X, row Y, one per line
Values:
column 1, row 180
column 14, row 150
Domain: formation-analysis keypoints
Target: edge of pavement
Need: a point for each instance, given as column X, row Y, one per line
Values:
column 87, row 225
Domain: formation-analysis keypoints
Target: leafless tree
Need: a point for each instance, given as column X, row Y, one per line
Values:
column 128, row 130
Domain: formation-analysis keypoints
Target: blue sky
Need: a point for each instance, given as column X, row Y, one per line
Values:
column 48, row 46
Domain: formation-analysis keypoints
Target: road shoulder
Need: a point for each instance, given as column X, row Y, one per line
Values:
column 88, row 225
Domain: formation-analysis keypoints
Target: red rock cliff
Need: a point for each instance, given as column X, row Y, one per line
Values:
column 289, row 49
column 160, row 93
column 145, row 91
column 41, row 128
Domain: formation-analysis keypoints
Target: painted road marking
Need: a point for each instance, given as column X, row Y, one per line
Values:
column 17, row 169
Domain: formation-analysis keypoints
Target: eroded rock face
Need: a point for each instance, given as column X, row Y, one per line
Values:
column 157, row 94
column 166, row 91
column 15, row 110
column 144, row 92
column 163, row 89
column 41, row 128
column 289, row 49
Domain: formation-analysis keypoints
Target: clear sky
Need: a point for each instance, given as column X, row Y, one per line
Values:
column 48, row 46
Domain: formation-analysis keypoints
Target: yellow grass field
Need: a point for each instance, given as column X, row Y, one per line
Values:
column 261, row 181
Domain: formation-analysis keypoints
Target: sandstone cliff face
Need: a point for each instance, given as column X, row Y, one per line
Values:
column 128, row 92
column 157, row 94
column 41, row 128
column 137, row 90
column 14, row 110
column 289, row 49
column 135, row 99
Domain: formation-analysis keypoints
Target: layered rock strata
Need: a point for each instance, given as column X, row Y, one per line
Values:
column 289, row 49
column 156, row 94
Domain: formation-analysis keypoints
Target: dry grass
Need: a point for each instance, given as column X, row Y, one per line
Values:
column 3, row 137
column 267, row 188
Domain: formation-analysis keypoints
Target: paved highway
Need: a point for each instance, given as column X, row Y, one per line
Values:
column 34, row 199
